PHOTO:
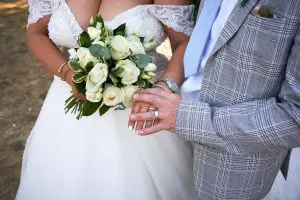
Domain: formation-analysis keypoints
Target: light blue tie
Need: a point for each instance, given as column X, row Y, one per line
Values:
column 200, row 36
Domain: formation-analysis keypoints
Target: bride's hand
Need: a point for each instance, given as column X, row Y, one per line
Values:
column 74, row 89
column 140, row 107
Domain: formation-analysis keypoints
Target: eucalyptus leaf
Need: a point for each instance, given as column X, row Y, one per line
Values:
column 120, row 30
column 89, row 108
column 142, row 60
column 100, row 52
column 103, row 109
column 84, row 39
column 75, row 66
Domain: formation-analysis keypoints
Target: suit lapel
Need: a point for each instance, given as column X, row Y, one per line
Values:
column 234, row 22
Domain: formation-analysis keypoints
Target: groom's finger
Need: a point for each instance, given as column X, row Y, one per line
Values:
column 158, row 92
column 149, row 98
column 146, row 116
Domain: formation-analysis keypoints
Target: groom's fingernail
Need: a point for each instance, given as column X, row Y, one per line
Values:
column 130, row 128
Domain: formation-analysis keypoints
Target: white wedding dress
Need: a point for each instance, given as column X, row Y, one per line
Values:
column 98, row 157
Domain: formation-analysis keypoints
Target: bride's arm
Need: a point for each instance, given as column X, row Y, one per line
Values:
column 46, row 51
column 179, row 42
column 174, row 70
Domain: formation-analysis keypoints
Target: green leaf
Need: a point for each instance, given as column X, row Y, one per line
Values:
column 70, row 105
column 98, row 18
column 103, row 109
column 89, row 67
column 75, row 66
column 120, row 30
column 84, row 39
column 118, row 71
column 113, row 79
column 79, row 77
column 142, row 39
column 141, row 83
column 104, row 34
column 99, row 51
column 142, row 60
column 69, row 99
column 80, row 86
column 89, row 108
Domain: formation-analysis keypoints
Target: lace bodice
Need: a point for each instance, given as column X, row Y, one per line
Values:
column 145, row 20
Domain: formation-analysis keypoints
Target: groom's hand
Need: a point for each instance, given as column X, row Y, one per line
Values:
column 167, row 105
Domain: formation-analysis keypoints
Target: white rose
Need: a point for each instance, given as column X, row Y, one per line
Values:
column 151, row 67
column 73, row 54
column 135, row 45
column 94, row 33
column 129, row 91
column 150, row 44
column 119, row 47
column 112, row 96
column 96, row 77
column 94, row 96
column 85, row 56
column 131, row 71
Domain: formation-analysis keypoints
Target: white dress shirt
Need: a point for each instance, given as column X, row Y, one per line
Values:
column 191, row 87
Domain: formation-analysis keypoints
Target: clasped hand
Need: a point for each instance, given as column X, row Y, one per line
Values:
column 154, row 110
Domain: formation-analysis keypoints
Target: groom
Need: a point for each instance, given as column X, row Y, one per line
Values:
column 240, row 104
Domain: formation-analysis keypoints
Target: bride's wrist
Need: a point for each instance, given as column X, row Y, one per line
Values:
column 69, row 77
column 162, row 85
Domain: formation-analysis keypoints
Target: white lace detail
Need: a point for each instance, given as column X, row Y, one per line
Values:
column 39, row 9
column 63, row 27
column 179, row 18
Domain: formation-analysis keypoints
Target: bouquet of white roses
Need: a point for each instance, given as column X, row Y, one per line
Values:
column 109, row 68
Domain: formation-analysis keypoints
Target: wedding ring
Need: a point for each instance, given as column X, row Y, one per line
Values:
column 156, row 115
column 152, row 109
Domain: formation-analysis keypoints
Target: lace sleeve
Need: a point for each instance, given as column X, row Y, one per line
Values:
column 39, row 9
column 179, row 18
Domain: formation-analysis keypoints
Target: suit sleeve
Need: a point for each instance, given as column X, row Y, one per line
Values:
column 250, row 127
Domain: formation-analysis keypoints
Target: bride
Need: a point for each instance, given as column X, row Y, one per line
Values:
column 98, row 157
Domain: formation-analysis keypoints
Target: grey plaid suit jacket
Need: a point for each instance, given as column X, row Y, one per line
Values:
column 248, row 115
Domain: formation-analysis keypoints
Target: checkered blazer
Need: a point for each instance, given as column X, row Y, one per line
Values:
column 248, row 115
